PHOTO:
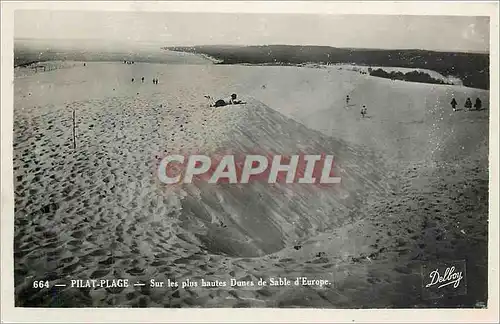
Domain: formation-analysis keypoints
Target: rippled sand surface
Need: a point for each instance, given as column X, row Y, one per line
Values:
column 415, row 188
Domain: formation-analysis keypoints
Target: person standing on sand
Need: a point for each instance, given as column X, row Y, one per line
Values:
column 478, row 104
column 468, row 104
column 363, row 111
column 142, row 79
column 453, row 104
column 132, row 79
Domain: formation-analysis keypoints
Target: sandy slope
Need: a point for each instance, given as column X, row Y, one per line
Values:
column 99, row 211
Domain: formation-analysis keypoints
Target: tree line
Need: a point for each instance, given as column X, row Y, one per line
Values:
column 413, row 76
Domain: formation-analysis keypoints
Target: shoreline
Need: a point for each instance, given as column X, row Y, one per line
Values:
column 353, row 67
column 438, row 65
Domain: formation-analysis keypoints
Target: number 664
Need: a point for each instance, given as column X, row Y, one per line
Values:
column 40, row 284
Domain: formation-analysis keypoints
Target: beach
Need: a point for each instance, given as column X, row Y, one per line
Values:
column 414, row 187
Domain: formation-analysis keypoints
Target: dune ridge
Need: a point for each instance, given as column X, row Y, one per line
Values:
column 279, row 214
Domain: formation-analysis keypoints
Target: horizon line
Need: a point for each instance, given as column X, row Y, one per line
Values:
column 348, row 48
column 138, row 42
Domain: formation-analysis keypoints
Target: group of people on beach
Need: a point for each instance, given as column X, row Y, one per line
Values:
column 155, row 80
column 468, row 104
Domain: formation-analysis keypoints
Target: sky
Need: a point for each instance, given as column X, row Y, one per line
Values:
column 441, row 33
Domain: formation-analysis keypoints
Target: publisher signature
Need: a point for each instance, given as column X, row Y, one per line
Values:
column 448, row 278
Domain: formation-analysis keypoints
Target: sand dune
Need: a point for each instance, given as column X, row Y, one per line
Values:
column 100, row 212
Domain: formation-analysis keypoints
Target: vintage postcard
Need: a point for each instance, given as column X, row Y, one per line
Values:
column 244, row 161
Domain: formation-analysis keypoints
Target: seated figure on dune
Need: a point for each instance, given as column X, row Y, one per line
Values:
column 221, row 102
column 234, row 101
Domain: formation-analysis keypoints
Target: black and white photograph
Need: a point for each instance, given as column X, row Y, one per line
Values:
column 168, row 159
